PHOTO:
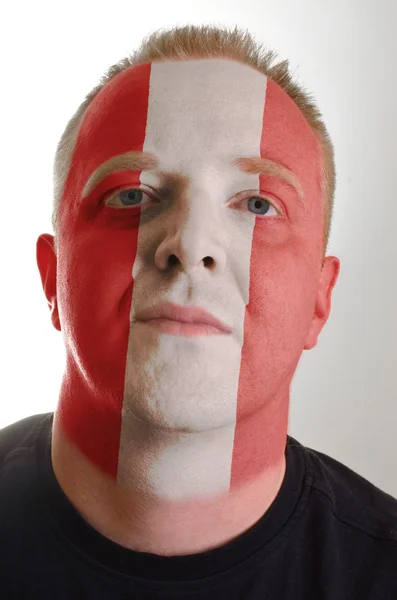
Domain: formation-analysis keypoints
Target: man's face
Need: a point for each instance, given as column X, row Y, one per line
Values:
column 245, row 245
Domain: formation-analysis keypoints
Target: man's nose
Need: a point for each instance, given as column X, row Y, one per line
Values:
column 195, row 241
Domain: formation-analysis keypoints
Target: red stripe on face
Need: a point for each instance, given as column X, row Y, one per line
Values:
column 97, row 253
column 283, row 269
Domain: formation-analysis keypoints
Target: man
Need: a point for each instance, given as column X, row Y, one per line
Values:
column 193, row 201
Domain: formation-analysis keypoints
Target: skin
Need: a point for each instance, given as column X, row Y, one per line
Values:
column 156, row 434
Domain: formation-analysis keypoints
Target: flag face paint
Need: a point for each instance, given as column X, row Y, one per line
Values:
column 94, row 273
column 124, row 378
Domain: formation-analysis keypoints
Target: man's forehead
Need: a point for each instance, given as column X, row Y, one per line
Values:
column 214, row 102
column 203, row 96
column 218, row 77
column 209, row 80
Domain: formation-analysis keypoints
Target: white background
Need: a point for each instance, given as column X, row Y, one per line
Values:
column 344, row 394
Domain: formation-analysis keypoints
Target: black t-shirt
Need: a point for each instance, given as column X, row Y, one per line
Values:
column 329, row 535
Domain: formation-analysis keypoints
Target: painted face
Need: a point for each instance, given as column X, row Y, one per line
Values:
column 196, row 226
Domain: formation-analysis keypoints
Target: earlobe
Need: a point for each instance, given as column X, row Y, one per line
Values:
column 47, row 264
column 328, row 279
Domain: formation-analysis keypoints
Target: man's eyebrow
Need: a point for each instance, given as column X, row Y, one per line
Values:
column 130, row 161
column 257, row 164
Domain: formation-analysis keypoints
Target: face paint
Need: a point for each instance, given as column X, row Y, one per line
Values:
column 220, row 401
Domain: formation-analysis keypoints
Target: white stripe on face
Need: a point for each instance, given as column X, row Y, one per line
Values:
column 202, row 114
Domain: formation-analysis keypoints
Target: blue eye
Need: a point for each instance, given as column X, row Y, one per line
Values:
column 259, row 206
column 130, row 197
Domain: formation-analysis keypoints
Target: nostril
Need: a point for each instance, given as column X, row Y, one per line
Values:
column 208, row 261
column 172, row 260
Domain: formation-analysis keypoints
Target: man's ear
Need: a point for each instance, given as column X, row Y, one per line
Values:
column 47, row 263
column 328, row 278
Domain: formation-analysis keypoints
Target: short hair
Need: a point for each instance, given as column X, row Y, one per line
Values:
column 206, row 41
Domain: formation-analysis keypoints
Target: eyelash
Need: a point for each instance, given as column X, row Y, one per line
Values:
column 253, row 195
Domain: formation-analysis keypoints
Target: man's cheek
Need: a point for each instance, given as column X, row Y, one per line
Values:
column 282, row 293
column 271, row 236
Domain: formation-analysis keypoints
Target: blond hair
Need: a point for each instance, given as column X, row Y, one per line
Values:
column 190, row 42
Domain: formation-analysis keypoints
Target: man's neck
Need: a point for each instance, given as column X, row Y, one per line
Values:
column 137, row 515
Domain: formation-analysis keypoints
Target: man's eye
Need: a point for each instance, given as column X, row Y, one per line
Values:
column 260, row 206
column 126, row 198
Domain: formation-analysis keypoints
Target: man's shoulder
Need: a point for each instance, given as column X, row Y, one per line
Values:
column 21, row 434
column 353, row 499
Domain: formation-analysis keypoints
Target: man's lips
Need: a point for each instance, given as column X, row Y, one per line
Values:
column 191, row 315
